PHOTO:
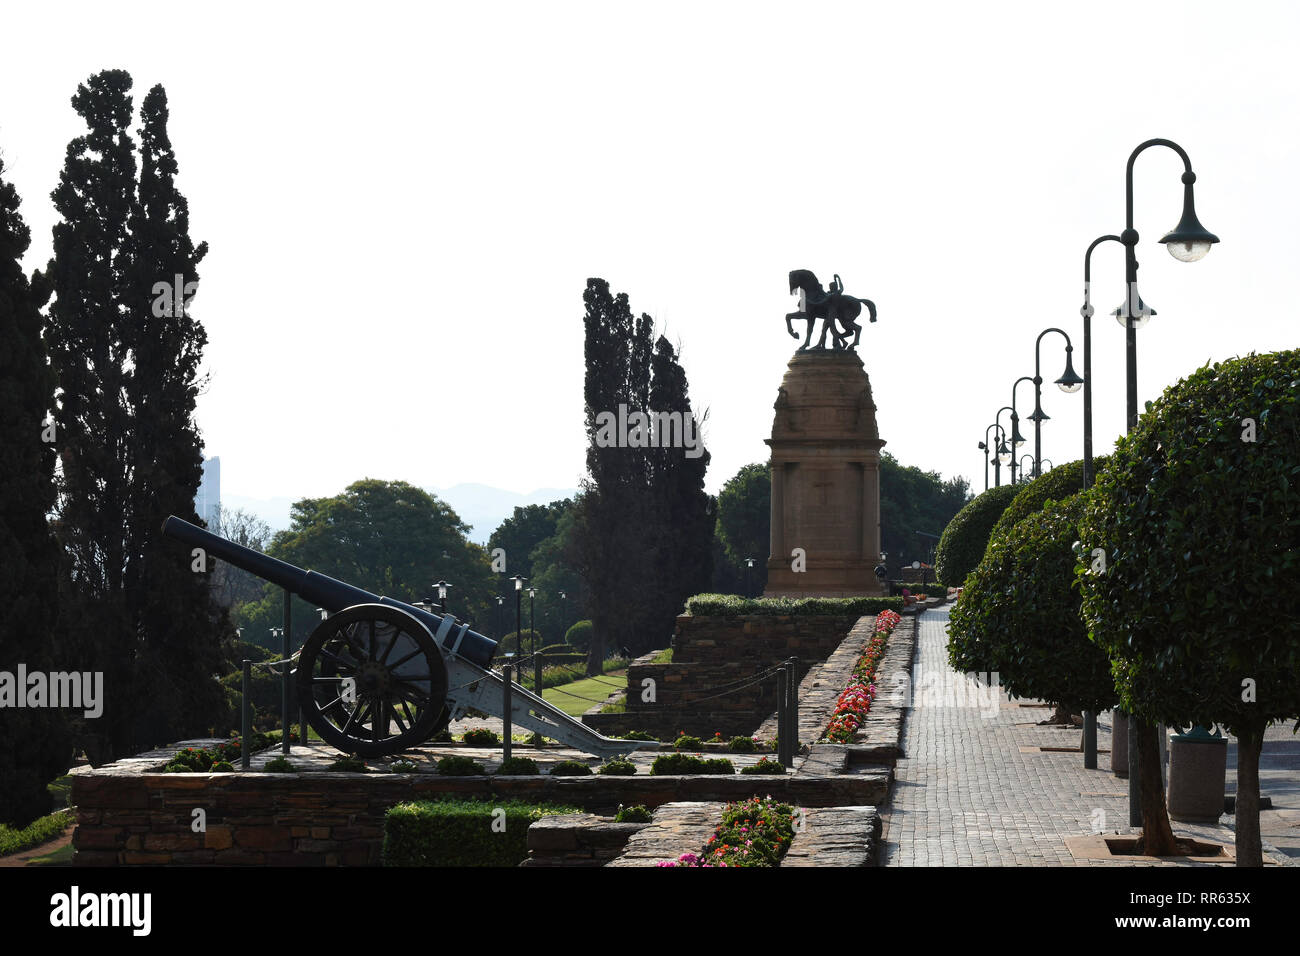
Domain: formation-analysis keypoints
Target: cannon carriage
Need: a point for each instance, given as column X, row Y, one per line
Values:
column 379, row 676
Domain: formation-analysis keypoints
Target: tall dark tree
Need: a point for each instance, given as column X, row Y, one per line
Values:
column 90, row 351
column 35, row 745
column 644, row 525
column 180, row 627
column 686, row 514
column 126, row 355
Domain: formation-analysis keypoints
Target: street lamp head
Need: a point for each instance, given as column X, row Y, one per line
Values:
column 1004, row 453
column 1016, row 437
column 1189, row 240
column 1069, row 381
column 983, row 447
column 1140, row 311
column 519, row 582
column 532, row 592
column 749, row 562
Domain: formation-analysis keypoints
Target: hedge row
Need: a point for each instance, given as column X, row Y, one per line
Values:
column 730, row 605
column 461, row 832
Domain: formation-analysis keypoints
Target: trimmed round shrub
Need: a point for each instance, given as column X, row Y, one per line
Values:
column 456, row 766
column 618, row 767
column 639, row 813
column 964, row 541
column 510, row 643
column 481, row 737
column 223, row 766
column 766, row 766
column 349, row 765
column 518, row 767
column 1198, row 519
column 1198, row 513
column 686, row 742
column 638, row 735
column 1019, row 615
column 579, row 635
column 681, row 763
column 742, row 745
column 1054, row 485
column 278, row 765
column 570, row 768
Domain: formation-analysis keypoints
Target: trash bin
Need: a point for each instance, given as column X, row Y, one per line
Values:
column 1198, row 761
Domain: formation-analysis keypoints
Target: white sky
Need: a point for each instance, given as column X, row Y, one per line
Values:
column 404, row 202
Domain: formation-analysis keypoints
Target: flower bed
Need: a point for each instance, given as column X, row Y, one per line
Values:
column 754, row 832
column 853, row 704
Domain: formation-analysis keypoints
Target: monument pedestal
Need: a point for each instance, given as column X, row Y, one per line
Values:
column 825, row 480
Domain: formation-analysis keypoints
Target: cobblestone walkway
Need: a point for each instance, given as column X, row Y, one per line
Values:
column 966, row 793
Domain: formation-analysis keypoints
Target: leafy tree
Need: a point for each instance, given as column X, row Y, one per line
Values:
column 555, row 572
column 519, row 534
column 745, row 522
column 1019, row 614
column 1197, row 516
column 232, row 586
column 384, row 537
column 35, row 745
column 913, row 500
column 964, row 540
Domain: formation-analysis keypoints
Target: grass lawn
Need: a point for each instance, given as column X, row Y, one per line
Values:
column 577, row 696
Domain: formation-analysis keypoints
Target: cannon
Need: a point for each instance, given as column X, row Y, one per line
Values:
column 378, row 676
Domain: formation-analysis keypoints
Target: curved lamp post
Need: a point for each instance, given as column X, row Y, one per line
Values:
column 1006, row 447
column 1087, row 312
column 1069, row 382
column 1017, row 439
column 997, row 461
column 1187, row 242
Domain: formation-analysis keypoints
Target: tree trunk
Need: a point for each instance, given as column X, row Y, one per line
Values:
column 1157, row 835
column 1250, row 742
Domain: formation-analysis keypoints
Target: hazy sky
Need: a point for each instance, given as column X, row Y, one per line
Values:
column 404, row 202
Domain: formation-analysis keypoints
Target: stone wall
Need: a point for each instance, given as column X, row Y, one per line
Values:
column 577, row 839
column 336, row 819
column 713, row 654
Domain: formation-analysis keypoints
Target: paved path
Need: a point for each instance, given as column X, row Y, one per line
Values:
column 966, row 795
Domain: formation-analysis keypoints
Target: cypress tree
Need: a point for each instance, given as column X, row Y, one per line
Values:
column 91, row 275
column 180, row 626
column 35, row 745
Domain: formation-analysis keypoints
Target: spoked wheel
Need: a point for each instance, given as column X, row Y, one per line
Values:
column 371, row 680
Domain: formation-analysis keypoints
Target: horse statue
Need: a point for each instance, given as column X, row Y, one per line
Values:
column 832, row 306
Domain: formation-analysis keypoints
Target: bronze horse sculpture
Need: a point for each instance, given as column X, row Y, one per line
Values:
column 832, row 306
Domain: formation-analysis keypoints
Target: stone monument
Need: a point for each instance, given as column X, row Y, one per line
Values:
column 825, row 457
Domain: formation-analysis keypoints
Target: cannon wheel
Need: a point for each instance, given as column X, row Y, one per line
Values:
column 390, row 662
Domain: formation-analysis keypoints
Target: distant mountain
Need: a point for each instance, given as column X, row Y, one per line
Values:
column 480, row 506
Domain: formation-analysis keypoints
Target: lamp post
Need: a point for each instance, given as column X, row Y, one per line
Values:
column 564, row 614
column 1187, row 242
column 442, row 587
column 1017, row 439
column 532, row 642
column 519, row 614
column 501, row 629
column 1006, row 449
column 1069, row 383
column 1087, row 312
column 985, row 446
column 749, row 570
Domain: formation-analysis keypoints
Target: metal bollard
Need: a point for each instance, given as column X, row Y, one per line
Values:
column 782, row 732
column 285, row 692
column 246, row 720
column 792, row 711
column 508, row 672
column 1089, row 740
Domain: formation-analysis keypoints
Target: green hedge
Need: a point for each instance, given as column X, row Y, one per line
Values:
column 931, row 590
column 1019, row 615
column 729, row 605
column 461, row 832
column 510, row 643
column 678, row 763
column 964, row 541
column 1054, row 485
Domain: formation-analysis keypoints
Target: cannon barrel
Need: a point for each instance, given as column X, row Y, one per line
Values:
column 331, row 594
